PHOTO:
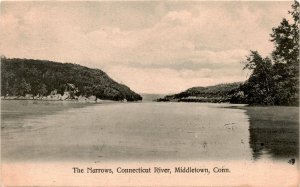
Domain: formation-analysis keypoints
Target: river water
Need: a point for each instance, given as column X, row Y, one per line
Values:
column 57, row 131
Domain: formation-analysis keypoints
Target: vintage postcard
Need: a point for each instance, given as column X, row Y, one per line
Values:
column 149, row 93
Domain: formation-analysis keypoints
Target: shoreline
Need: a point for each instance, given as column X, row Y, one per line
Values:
column 237, row 107
column 65, row 100
column 244, row 106
column 69, row 100
column 247, row 106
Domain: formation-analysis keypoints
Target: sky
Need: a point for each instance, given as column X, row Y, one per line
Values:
column 152, row 47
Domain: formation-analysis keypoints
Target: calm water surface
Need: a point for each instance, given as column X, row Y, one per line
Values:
column 49, row 131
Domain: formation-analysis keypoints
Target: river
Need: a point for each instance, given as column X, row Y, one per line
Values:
column 151, row 131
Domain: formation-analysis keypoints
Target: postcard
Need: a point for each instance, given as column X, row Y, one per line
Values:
column 149, row 93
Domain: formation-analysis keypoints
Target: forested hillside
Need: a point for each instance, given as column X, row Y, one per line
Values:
column 217, row 93
column 40, row 78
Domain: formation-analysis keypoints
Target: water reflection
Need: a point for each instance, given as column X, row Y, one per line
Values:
column 274, row 132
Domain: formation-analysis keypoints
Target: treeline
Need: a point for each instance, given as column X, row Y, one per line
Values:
column 275, row 80
column 40, row 77
column 215, row 94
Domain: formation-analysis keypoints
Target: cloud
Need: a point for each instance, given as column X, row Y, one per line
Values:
column 151, row 46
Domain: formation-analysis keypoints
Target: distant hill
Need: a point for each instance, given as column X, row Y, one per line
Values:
column 151, row 97
column 217, row 93
column 40, row 77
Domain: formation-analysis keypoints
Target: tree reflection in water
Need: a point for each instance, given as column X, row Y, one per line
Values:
column 274, row 131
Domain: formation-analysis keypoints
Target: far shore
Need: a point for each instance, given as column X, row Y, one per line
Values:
column 59, row 100
column 76, row 100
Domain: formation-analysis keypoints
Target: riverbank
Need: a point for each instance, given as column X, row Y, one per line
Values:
column 195, row 100
column 286, row 113
column 82, row 99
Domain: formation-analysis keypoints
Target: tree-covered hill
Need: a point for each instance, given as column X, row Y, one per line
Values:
column 40, row 78
column 217, row 93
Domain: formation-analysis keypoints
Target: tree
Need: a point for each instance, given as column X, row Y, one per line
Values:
column 258, row 88
column 23, row 88
column 286, row 39
column 277, row 82
column 286, row 58
column 42, row 91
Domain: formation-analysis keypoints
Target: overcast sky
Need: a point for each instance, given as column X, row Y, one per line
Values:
column 153, row 47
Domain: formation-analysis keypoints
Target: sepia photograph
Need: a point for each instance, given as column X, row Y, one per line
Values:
column 149, row 93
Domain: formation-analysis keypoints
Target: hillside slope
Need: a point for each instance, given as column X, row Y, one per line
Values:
column 217, row 93
column 40, row 77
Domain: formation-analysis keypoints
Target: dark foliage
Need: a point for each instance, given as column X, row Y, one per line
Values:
column 215, row 94
column 276, row 82
column 40, row 77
